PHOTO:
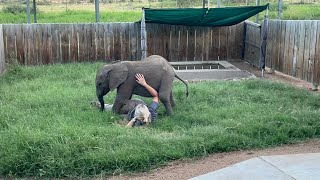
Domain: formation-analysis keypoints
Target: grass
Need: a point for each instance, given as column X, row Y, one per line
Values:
column 48, row 128
column 123, row 12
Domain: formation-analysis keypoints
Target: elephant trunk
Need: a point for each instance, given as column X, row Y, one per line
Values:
column 101, row 103
column 100, row 98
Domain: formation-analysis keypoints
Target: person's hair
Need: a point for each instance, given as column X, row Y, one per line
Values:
column 142, row 113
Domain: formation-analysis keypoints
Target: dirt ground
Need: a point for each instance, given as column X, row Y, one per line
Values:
column 185, row 169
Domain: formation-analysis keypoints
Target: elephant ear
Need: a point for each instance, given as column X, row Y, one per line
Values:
column 117, row 75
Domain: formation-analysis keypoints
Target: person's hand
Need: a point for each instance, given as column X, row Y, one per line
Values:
column 141, row 80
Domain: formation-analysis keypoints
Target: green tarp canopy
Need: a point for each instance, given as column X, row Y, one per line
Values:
column 226, row 16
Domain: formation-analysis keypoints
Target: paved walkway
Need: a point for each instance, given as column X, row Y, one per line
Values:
column 281, row 167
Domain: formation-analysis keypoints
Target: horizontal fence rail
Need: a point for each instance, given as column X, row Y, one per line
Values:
column 2, row 56
column 36, row 44
column 293, row 48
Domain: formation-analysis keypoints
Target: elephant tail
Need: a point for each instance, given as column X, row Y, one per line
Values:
column 187, row 88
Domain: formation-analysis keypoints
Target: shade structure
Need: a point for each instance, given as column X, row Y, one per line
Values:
column 212, row 17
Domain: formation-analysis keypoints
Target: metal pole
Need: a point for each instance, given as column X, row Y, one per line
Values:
column 203, row 3
column 34, row 11
column 257, row 16
column 28, row 10
column 97, row 10
column 66, row 5
column 279, row 9
column 264, row 35
column 219, row 3
column 143, row 36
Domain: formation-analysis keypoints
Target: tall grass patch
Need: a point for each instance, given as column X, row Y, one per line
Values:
column 49, row 129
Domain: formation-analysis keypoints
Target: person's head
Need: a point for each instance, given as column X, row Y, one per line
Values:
column 142, row 113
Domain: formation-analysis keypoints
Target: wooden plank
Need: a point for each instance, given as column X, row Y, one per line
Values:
column 277, row 42
column 191, row 43
column 64, row 42
column 133, row 42
column 215, row 43
column 198, row 44
column 139, row 53
column 150, row 29
column 237, row 53
column 116, row 45
column 100, row 50
column 300, row 52
column 166, row 39
column 281, row 61
column 316, row 79
column 290, row 47
column 295, row 50
column 174, row 52
column 73, row 55
column 223, row 43
column 108, row 38
column 19, row 43
column 231, row 42
column 207, row 43
column 313, row 38
column 307, row 51
column 270, row 41
column 2, row 56
column 183, row 43
column 9, row 41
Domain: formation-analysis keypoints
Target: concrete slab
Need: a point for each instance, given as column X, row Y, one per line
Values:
column 218, row 74
column 227, row 72
column 298, row 166
column 254, row 169
column 284, row 167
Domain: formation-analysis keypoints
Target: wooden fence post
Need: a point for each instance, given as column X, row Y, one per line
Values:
column 279, row 9
column 2, row 57
column 143, row 37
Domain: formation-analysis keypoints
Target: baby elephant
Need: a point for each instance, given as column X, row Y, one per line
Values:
column 121, row 75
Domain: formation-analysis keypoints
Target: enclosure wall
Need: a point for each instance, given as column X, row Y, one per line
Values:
column 2, row 56
column 293, row 48
column 34, row 44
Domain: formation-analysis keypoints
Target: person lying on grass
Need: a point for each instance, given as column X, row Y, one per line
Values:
column 140, row 114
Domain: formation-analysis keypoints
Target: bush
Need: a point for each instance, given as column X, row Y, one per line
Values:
column 16, row 8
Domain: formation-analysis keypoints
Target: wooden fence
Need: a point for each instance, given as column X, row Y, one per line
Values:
column 2, row 56
column 293, row 48
column 33, row 44
column 252, row 43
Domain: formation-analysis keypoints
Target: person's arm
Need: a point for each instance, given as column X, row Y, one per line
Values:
column 153, row 92
column 131, row 122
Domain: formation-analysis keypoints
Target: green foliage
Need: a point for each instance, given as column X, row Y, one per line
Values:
column 14, row 8
column 48, row 128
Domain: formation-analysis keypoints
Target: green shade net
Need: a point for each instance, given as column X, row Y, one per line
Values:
column 202, row 16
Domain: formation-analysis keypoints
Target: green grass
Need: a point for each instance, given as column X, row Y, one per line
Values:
column 72, row 16
column 49, row 129
column 122, row 12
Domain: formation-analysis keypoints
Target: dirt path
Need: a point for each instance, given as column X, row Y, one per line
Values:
column 190, row 168
column 185, row 169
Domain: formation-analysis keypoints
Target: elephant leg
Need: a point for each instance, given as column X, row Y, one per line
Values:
column 172, row 102
column 124, row 94
column 131, row 104
column 164, row 95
